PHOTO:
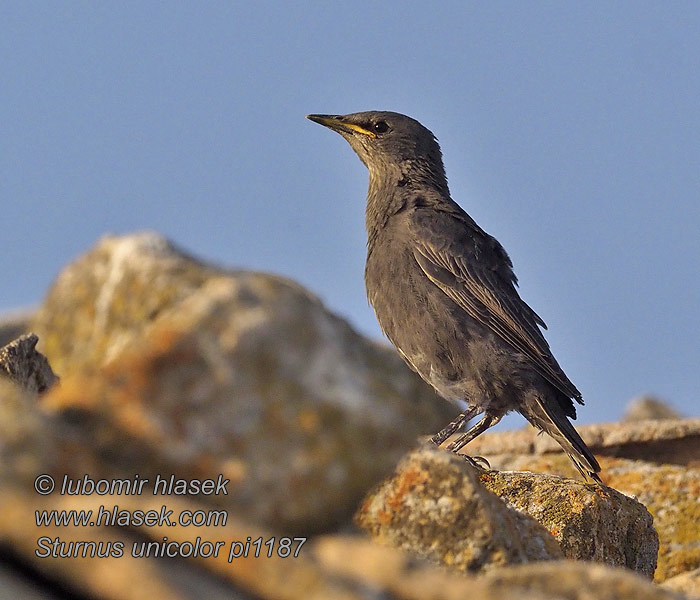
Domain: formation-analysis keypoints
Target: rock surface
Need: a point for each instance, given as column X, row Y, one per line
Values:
column 434, row 507
column 665, row 441
column 330, row 568
column 101, row 303
column 169, row 363
column 21, row 363
column 359, row 560
column 671, row 493
column 437, row 506
column 28, row 444
column 657, row 462
column 590, row 522
column 573, row 580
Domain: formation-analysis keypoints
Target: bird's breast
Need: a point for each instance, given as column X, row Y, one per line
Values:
column 416, row 316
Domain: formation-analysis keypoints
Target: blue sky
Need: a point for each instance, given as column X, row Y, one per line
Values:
column 570, row 130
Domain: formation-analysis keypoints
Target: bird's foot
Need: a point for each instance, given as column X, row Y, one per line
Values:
column 478, row 462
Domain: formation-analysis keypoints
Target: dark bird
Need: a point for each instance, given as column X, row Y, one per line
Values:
column 444, row 291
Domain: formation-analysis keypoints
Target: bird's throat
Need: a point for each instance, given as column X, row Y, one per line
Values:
column 385, row 198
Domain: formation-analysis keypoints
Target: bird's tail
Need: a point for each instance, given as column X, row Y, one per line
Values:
column 544, row 415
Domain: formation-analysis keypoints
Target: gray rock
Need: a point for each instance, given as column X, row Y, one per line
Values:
column 170, row 363
column 654, row 461
column 17, row 587
column 439, row 507
column 27, row 439
column 670, row 492
column 667, row 441
column 20, row 362
column 103, row 301
column 435, row 508
column 172, row 366
column 590, row 522
column 573, row 580
column 362, row 562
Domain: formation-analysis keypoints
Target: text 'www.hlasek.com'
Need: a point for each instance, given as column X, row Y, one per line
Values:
column 147, row 513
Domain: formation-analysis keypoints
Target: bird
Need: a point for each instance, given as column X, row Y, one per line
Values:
column 445, row 294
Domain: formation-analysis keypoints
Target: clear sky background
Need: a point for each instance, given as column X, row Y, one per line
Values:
column 571, row 132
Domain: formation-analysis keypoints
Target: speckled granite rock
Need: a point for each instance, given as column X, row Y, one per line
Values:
column 435, row 507
column 21, row 363
column 590, row 522
column 170, row 362
column 439, row 507
column 663, row 474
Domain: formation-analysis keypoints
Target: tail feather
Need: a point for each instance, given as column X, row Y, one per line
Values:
column 548, row 417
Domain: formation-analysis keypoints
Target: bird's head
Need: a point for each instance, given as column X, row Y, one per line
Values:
column 389, row 144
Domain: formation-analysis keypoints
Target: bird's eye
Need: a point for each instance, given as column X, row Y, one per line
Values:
column 380, row 127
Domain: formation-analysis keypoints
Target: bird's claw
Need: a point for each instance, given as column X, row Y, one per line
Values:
column 478, row 462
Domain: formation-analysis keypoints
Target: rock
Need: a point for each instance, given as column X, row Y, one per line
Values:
column 172, row 364
column 330, row 568
column 20, row 361
column 589, row 522
column 660, row 441
column 123, row 578
column 363, row 562
column 573, row 580
column 435, row 508
column 671, row 493
column 687, row 583
column 103, row 301
column 663, row 473
column 127, row 577
column 649, row 407
column 391, row 573
column 27, row 443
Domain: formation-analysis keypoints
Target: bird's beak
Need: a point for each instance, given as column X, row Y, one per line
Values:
column 336, row 123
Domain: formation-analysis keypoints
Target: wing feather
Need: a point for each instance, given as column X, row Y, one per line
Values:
column 474, row 270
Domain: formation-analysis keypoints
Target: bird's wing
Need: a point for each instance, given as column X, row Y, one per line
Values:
column 473, row 269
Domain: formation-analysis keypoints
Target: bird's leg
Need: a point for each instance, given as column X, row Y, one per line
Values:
column 479, row 428
column 467, row 415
